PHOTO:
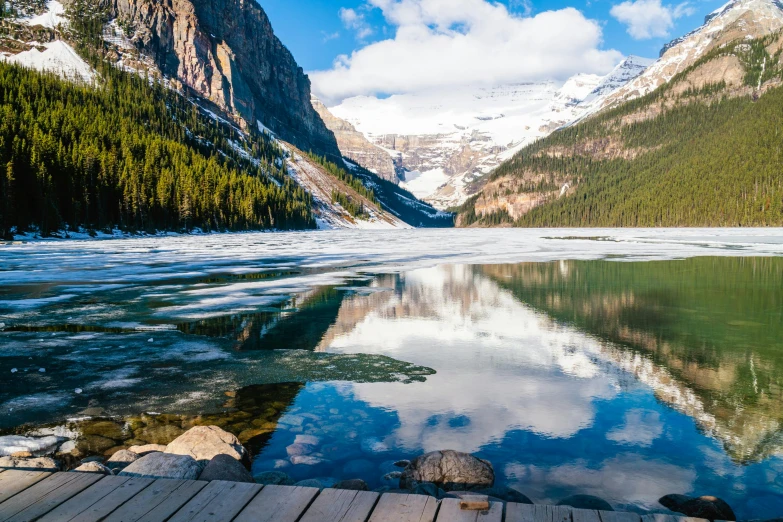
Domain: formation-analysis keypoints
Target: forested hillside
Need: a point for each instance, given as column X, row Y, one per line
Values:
column 132, row 154
column 692, row 153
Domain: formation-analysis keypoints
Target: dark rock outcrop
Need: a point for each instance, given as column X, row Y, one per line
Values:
column 709, row 507
column 586, row 502
column 225, row 467
column 450, row 470
column 352, row 484
column 226, row 52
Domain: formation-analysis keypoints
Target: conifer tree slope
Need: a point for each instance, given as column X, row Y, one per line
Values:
column 704, row 149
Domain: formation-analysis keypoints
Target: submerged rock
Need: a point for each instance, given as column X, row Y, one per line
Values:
column 310, row 483
column 203, row 443
column 226, row 467
column 164, row 465
column 586, row 502
column 352, row 484
column 709, row 507
column 273, row 478
column 93, row 467
column 450, row 470
column 34, row 464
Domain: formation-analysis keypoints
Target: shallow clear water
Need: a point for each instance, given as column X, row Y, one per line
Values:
column 625, row 364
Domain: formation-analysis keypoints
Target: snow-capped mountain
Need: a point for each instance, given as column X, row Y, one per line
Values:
column 443, row 142
column 733, row 21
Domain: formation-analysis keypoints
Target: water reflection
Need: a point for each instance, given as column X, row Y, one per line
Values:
column 624, row 380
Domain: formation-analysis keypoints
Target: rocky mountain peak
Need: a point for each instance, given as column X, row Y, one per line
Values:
column 225, row 52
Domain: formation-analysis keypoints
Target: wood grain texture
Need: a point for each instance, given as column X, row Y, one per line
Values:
column 97, row 501
column 278, row 504
column 157, row 502
column 41, row 498
column 219, row 501
column 618, row 516
column 341, row 505
column 450, row 511
column 537, row 513
column 14, row 481
column 585, row 515
column 400, row 507
column 661, row 517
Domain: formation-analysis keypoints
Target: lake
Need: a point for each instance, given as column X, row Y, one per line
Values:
column 627, row 364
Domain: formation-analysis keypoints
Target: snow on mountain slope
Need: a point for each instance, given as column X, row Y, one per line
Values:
column 445, row 141
column 736, row 20
column 54, row 16
column 57, row 57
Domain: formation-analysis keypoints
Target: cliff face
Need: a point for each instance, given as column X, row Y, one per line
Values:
column 226, row 52
column 355, row 146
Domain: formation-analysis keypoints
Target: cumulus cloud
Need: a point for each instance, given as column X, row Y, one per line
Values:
column 641, row 428
column 355, row 20
column 649, row 18
column 446, row 43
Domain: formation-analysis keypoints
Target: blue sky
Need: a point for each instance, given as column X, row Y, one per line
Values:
column 319, row 31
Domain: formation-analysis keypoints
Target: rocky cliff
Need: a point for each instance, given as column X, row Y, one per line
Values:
column 226, row 52
column 354, row 146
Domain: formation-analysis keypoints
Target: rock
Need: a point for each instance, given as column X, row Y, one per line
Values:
column 358, row 467
column 122, row 459
column 402, row 463
column 204, row 442
column 394, row 475
column 310, row 483
column 273, row 478
column 147, row 448
column 158, row 433
column 505, row 494
column 22, row 455
column 425, row 488
column 93, row 458
column 297, row 449
column 225, row 467
column 94, row 444
column 164, row 465
column 108, row 429
column 310, row 440
column 586, row 502
column 709, row 507
column 352, row 484
column 306, row 460
column 35, row 464
column 93, row 467
column 450, row 470
column 673, row 502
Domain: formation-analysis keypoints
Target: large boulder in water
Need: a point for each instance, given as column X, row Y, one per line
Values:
column 709, row 507
column 586, row 502
column 164, row 466
column 449, row 470
column 204, row 442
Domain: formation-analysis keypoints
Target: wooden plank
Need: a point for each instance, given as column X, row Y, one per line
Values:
column 661, row 517
column 537, row 513
column 46, row 495
column 401, row 507
column 97, row 501
column 585, row 515
column 450, row 511
column 341, row 505
column 219, row 501
column 158, row 502
column 278, row 504
column 14, row 481
column 618, row 516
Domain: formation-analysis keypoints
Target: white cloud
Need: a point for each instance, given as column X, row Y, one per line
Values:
column 446, row 43
column 641, row 428
column 649, row 18
column 353, row 19
column 328, row 37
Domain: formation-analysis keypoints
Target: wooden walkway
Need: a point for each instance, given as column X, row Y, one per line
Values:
column 26, row 496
